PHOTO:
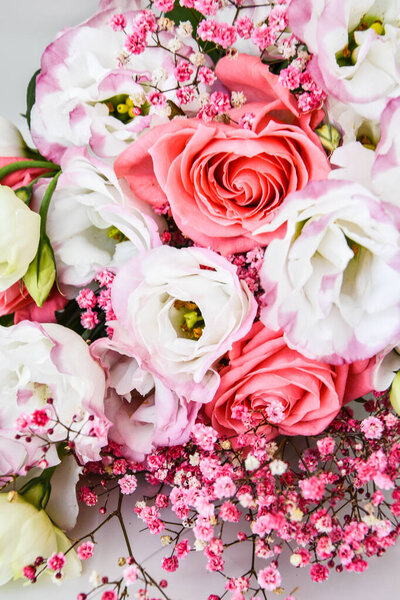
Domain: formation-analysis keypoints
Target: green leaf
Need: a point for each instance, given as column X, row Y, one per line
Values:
column 7, row 320
column 31, row 96
column 41, row 273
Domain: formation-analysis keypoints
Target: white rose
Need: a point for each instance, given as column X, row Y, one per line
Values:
column 332, row 283
column 19, row 237
column 178, row 311
column 25, row 534
column 92, row 222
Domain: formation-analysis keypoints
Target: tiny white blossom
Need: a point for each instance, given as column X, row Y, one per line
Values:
column 185, row 29
column 251, row 463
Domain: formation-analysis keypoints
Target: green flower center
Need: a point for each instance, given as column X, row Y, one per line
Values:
column 189, row 321
column 123, row 108
column 348, row 56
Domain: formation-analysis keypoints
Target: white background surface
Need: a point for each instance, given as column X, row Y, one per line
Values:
column 26, row 27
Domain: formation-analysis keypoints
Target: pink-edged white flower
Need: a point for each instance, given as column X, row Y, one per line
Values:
column 94, row 223
column 333, row 282
column 364, row 73
column 378, row 169
column 46, row 361
column 385, row 173
column 179, row 311
column 144, row 412
column 72, row 109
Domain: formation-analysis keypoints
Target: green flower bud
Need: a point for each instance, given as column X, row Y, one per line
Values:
column 330, row 137
column 41, row 273
column 395, row 393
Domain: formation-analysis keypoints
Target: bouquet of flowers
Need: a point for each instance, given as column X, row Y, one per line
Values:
column 200, row 294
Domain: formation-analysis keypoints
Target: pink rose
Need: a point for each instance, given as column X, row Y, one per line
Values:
column 299, row 396
column 222, row 182
column 18, row 178
column 17, row 300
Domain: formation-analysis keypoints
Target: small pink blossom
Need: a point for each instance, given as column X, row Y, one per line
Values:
column 183, row 71
column 118, row 22
column 185, row 95
column 164, row 5
column 85, row 550
column 128, row 484
column 319, row 573
column 216, row 563
column 109, row 595
column 56, row 561
column 372, row 428
column 269, row 578
column 204, row 436
column 326, row 446
column 170, row 564
column 86, row 298
column 206, row 76
column 244, row 27
column 89, row 319
column 312, row 488
column 182, row 549
column 130, row 574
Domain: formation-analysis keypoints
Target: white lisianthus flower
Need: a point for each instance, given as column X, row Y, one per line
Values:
column 11, row 141
column 351, row 124
column 73, row 109
column 356, row 48
column 178, row 311
column 387, row 365
column 19, row 238
column 25, row 534
column 379, row 169
column 93, row 223
column 333, row 282
column 144, row 412
column 42, row 362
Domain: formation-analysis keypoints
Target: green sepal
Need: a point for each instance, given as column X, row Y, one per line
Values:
column 25, row 194
column 7, row 320
column 31, row 96
column 37, row 490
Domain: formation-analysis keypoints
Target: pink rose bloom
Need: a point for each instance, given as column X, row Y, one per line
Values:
column 297, row 395
column 17, row 300
column 222, row 182
column 18, row 178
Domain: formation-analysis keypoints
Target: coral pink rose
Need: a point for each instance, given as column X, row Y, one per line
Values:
column 222, row 182
column 297, row 395
column 19, row 178
column 17, row 300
